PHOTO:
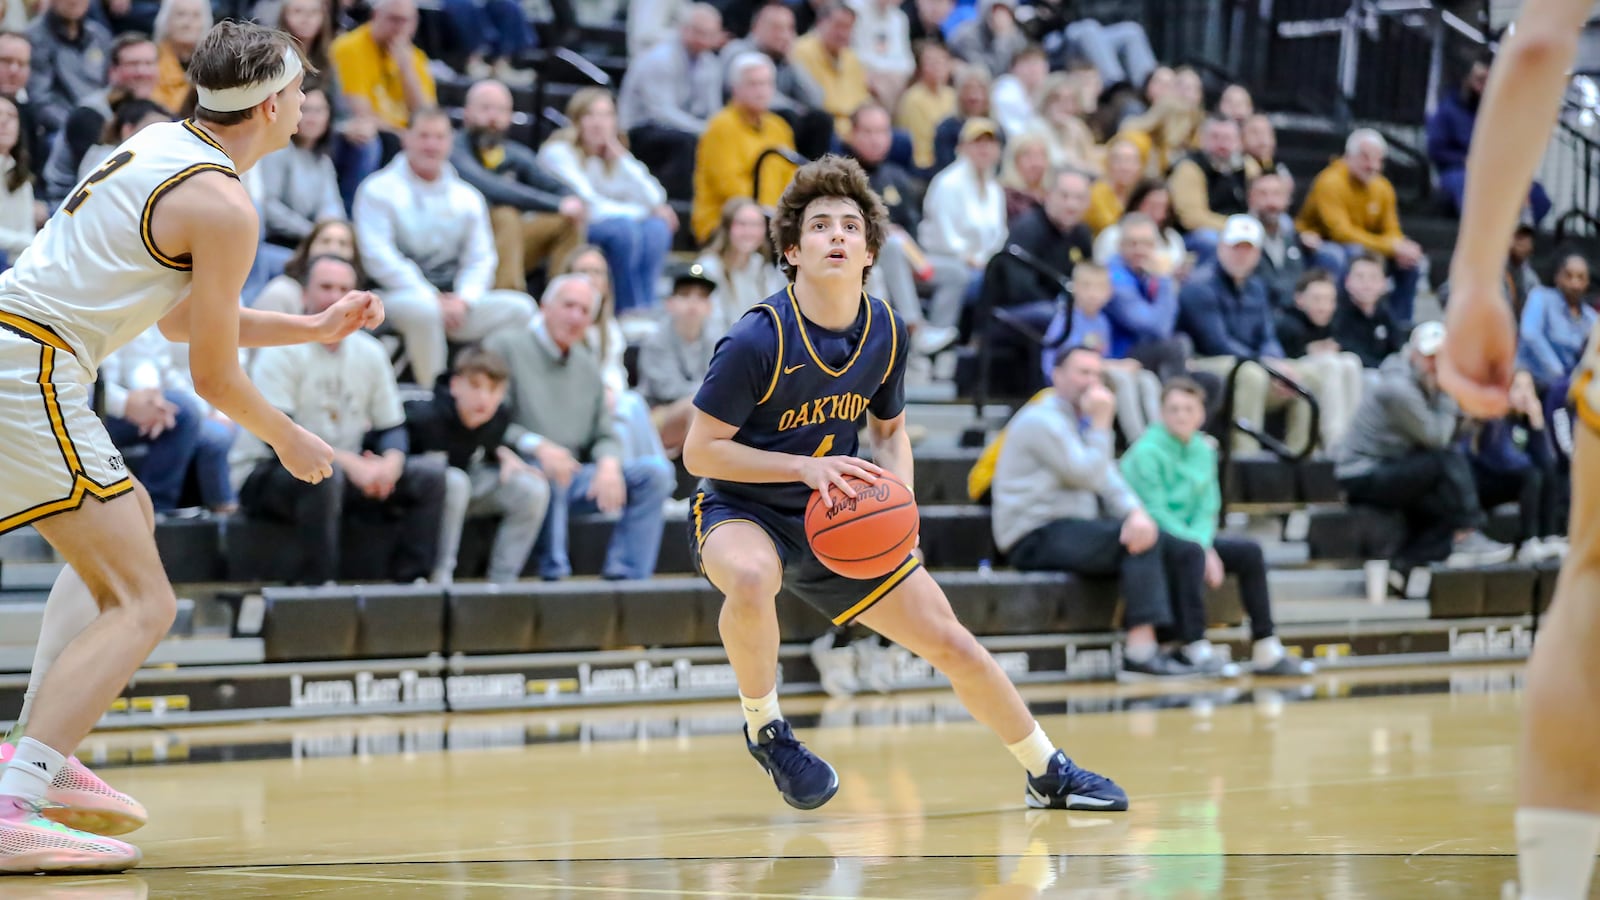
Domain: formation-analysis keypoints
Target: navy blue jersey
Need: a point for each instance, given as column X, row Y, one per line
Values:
column 791, row 386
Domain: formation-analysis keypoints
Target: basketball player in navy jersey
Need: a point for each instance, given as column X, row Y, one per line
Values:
column 1558, row 802
column 778, row 417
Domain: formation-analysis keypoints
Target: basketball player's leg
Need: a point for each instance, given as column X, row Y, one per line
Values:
column 137, row 607
column 1558, row 815
column 917, row 616
column 81, row 799
column 741, row 559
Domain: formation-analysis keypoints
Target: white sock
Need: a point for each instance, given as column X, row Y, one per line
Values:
column 1555, row 852
column 1267, row 651
column 1197, row 651
column 67, row 612
column 1140, row 651
column 28, row 774
column 1034, row 751
column 760, row 711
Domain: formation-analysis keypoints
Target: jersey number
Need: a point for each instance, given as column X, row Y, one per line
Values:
column 824, row 447
column 100, row 174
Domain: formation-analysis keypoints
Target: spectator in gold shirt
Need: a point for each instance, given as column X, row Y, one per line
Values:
column 1353, row 204
column 826, row 55
column 380, row 67
column 725, row 161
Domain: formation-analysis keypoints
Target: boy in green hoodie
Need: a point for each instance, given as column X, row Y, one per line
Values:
column 1173, row 469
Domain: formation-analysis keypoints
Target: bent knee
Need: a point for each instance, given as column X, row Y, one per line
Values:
column 955, row 649
column 749, row 580
column 529, row 491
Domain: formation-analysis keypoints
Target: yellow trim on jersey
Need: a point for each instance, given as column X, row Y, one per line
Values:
column 194, row 128
column 800, row 320
column 1576, row 394
column 699, row 498
column 878, row 593
column 43, row 334
column 155, row 197
column 777, row 367
column 894, row 339
column 82, row 485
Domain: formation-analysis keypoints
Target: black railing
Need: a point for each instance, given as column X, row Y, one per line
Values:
column 991, row 319
column 783, row 153
column 1571, row 176
column 1226, row 423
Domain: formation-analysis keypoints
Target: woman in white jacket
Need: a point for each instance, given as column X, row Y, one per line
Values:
column 16, row 187
column 629, row 218
column 963, row 220
column 739, row 260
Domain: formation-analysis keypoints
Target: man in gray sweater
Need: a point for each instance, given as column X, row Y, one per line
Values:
column 558, row 398
column 535, row 216
column 674, row 358
column 1400, row 454
column 1060, row 504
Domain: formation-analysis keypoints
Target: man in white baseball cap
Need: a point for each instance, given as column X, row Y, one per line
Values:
column 1226, row 311
column 1400, row 454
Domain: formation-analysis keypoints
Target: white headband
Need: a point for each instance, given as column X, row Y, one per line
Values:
column 246, row 96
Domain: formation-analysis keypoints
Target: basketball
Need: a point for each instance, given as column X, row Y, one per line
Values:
column 865, row 536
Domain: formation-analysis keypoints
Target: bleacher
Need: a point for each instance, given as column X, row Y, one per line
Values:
column 245, row 648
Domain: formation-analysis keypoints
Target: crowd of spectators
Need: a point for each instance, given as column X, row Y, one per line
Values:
column 983, row 125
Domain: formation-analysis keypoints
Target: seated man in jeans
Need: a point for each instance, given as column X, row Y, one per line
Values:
column 1173, row 469
column 344, row 393
column 1061, row 505
column 1400, row 454
column 468, row 422
column 558, row 398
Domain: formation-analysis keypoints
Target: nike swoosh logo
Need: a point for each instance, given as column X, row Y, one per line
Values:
column 793, row 369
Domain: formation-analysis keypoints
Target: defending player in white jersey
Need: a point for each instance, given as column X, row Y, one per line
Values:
column 1558, row 803
column 163, row 233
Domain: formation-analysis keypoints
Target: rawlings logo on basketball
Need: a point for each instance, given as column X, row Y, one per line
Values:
column 867, row 536
column 843, row 503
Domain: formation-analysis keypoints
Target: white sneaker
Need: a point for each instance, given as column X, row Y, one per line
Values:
column 934, row 339
column 835, row 666
column 875, row 664
column 1476, row 550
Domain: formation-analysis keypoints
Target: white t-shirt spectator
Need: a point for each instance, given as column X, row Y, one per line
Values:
column 338, row 395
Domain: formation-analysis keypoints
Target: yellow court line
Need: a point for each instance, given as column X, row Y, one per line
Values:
column 576, row 888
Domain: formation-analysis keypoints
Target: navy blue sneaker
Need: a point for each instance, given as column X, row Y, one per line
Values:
column 1068, row 786
column 804, row 780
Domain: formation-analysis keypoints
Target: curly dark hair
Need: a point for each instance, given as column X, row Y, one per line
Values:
column 831, row 176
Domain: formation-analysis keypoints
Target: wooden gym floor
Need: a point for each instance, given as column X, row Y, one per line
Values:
column 1355, row 785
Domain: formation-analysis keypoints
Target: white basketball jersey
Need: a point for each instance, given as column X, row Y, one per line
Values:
column 94, row 273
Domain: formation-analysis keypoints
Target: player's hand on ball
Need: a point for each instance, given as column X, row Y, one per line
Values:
column 354, row 311
column 306, row 456
column 821, row 471
column 1480, row 350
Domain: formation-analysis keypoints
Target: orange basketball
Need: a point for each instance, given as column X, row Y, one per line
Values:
column 865, row 536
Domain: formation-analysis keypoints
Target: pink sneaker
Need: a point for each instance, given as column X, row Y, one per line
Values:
column 79, row 799
column 32, row 844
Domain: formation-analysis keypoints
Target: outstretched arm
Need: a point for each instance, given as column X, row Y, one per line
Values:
column 1518, row 110
column 261, row 328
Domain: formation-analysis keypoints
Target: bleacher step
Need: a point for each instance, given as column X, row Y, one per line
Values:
column 25, row 545
column 29, row 576
column 173, row 651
